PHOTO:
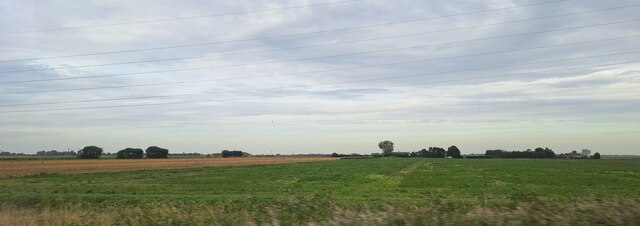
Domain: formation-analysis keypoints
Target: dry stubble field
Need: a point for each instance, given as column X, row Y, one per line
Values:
column 20, row 168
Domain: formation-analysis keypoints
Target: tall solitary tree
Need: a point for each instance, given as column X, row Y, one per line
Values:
column 386, row 147
column 454, row 152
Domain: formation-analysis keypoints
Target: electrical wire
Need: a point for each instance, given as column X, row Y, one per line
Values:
column 312, row 58
column 281, row 36
column 362, row 80
column 360, row 67
column 179, row 18
column 319, row 45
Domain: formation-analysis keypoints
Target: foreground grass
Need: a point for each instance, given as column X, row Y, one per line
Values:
column 346, row 192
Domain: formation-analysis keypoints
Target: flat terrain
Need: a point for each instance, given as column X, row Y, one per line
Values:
column 384, row 191
column 17, row 168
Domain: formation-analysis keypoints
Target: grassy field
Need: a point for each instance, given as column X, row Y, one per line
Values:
column 384, row 191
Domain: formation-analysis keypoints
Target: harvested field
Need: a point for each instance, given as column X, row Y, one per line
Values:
column 18, row 168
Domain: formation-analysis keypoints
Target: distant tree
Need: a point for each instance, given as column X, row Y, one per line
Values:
column 335, row 155
column 130, row 153
column 234, row 153
column 55, row 153
column 424, row 153
column 596, row 155
column 544, row 153
column 586, row 152
column 454, row 152
column 437, row 152
column 386, row 147
column 89, row 152
column 537, row 153
column 400, row 154
column 433, row 152
column 155, row 152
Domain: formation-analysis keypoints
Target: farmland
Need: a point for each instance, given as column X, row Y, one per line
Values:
column 74, row 166
column 389, row 191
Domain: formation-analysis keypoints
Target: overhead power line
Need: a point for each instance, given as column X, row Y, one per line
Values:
column 243, row 98
column 180, row 18
column 284, row 35
column 310, row 58
column 356, row 81
column 340, row 69
column 319, row 45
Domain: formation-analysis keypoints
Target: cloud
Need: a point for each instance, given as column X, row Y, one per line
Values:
column 405, row 76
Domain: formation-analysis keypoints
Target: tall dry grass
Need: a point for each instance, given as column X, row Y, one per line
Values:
column 542, row 211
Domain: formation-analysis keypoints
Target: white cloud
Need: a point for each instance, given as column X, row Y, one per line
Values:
column 504, row 111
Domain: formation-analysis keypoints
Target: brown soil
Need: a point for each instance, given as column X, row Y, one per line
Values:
column 19, row 168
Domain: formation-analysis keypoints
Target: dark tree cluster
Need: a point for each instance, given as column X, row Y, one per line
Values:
column 183, row 154
column 400, row 154
column 7, row 153
column 89, row 152
column 93, row 152
column 345, row 155
column 584, row 154
column 234, row 153
column 56, row 153
column 130, row 153
column 438, row 152
column 433, row 152
column 155, row 152
column 454, row 152
column 538, row 153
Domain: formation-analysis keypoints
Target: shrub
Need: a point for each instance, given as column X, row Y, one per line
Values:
column 89, row 152
column 596, row 155
column 130, row 153
column 155, row 152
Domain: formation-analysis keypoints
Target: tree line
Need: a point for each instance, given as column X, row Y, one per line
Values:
column 433, row 152
column 234, row 153
column 94, row 152
column 453, row 152
column 56, row 153
column 7, row 153
column 538, row 153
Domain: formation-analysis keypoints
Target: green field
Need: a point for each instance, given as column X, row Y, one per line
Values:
column 383, row 191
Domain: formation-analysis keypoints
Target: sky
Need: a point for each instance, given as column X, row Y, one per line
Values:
column 320, row 76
